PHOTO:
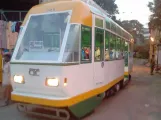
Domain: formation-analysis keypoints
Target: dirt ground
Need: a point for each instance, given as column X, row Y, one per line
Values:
column 140, row 100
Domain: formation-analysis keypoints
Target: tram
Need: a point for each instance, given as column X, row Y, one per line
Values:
column 69, row 56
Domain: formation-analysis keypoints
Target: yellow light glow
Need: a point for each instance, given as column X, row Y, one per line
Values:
column 152, row 39
column 52, row 82
column 65, row 81
column 18, row 79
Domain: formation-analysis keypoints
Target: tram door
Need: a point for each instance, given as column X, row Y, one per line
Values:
column 98, row 51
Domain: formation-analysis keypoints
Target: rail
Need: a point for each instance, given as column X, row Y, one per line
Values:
column 8, row 15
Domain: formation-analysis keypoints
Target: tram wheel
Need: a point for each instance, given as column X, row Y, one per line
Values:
column 117, row 87
column 122, row 84
column 107, row 93
column 129, row 77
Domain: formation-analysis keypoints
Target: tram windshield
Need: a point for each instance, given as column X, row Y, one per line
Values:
column 43, row 37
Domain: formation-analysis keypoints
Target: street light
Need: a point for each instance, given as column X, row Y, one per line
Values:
column 152, row 39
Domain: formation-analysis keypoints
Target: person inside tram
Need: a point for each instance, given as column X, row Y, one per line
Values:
column 111, row 53
column 83, row 53
column 97, row 53
column 87, row 52
column 107, row 57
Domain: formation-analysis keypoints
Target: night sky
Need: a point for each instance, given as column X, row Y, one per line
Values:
column 17, row 4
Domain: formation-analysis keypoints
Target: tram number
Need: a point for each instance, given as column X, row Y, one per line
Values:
column 34, row 72
column 51, row 10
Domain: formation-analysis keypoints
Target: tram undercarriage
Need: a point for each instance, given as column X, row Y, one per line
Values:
column 66, row 113
column 52, row 113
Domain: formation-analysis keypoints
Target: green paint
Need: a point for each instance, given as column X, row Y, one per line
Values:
column 52, row 64
column 85, row 107
column 126, row 76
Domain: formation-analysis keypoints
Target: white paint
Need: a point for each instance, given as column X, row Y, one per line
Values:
column 81, row 78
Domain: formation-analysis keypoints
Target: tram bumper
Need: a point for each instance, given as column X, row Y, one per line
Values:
column 49, row 112
column 37, row 99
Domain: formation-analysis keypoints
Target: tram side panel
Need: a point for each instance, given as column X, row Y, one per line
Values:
column 114, row 71
column 79, row 78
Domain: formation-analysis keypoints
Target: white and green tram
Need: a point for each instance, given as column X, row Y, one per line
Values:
column 69, row 56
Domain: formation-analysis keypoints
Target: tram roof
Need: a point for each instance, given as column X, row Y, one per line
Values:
column 81, row 12
column 81, row 8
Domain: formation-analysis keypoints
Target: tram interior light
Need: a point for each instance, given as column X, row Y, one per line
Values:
column 53, row 82
column 19, row 79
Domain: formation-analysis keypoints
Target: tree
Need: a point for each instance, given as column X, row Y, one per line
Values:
column 155, row 18
column 134, row 27
column 109, row 6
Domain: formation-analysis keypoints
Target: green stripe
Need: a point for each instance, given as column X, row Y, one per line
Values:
column 52, row 64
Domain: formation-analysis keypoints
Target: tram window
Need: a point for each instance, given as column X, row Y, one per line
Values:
column 112, row 50
column 86, row 42
column 108, row 25
column 107, row 38
column 122, row 45
column 126, row 46
column 71, row 53
column 126, row 54
column 118, row 48
column 131, row 50
column 99, row 44
column 99, row 22
column 122, row 48
column 113, row 27
column 117, row 30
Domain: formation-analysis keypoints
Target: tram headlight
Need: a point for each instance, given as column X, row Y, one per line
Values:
column 52, row 82
column 19, row 79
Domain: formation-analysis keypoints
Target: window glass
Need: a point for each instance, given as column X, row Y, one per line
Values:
column 86, row 42
column 99, row 22
column 99, row 44
column 126, row 54
column 113, row 27
column 71, row 53
column 43, row 37
column 112, row 50
column 107, row 38
column 108, row 25
column 122, row 47
column 118, row 46
column 117, row 30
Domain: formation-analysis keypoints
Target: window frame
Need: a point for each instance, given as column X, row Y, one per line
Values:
column 101, row 59
column 89, row 61
column 98, row 18
column 109, row 34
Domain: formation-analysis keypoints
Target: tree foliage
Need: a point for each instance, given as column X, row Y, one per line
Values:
column 155, row 18
column 109, row 6
column 134, row 27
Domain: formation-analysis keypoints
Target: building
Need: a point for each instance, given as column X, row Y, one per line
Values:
column 146, row 35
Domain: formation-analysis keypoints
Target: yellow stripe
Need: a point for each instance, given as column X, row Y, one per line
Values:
column 68, row 102
column 126, row 73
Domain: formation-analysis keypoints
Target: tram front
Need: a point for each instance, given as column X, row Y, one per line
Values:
column 47, row 42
